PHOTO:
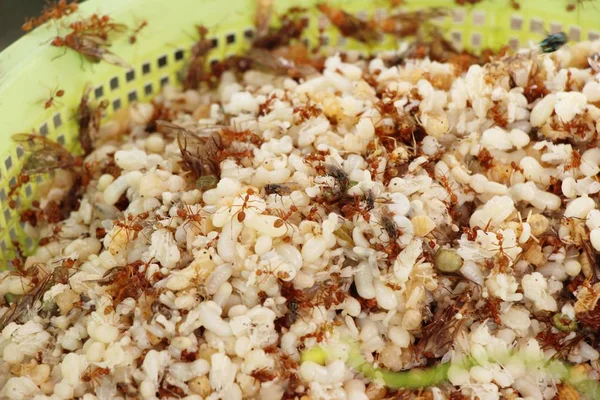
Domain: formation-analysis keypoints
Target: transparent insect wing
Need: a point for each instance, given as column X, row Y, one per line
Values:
column 266, row 60
column 263, row 16
column 198, row 152
column 44, row 154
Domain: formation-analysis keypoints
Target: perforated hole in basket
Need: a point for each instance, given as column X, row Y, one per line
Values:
column 479, row 18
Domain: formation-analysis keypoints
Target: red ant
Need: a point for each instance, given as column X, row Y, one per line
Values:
column 187, row 214
column 351, row 209
column 55, row 236
column 52, row 99
column 265, row 108
column 307, row 111
column 447, row 185
column 266, row 272
column 241, row 213
column 92, row 376
column 486, row 160
column 51, row 11
column 196, row 68
column 136, row 31
column 97, row 25
column 313, row 214
column 131, row 224
column 284, row 217
column 470, row 232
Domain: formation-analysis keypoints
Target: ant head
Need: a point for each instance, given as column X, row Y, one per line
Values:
column 57, row 41
column 202, row 31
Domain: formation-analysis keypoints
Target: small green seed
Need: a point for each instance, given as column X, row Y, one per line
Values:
column 447, row 260
column 564, row 323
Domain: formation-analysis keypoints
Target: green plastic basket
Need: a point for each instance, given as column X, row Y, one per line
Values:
column 31, row 66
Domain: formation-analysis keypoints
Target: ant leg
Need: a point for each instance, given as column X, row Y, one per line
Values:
column 61, row 55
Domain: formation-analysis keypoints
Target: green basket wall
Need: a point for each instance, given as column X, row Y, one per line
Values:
column 29, row 68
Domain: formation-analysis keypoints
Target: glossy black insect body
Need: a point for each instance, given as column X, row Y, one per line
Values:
column 553, row 42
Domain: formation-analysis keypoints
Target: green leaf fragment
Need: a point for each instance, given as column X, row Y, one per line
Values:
column 436, row 375
column 11, row 298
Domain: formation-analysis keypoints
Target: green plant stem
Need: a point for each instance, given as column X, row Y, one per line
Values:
column 434, row 376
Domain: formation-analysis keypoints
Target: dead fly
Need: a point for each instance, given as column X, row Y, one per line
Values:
column 44, row 156
column 440, row 333
column 88, row 118
column 390, row 227
column 359, row 205
column 333, row 194
column 279, row 189
column 340, row 176
column 349, row 25
column 293, row 311
column 199, row 152
column 196, row 69
column 553, row 42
